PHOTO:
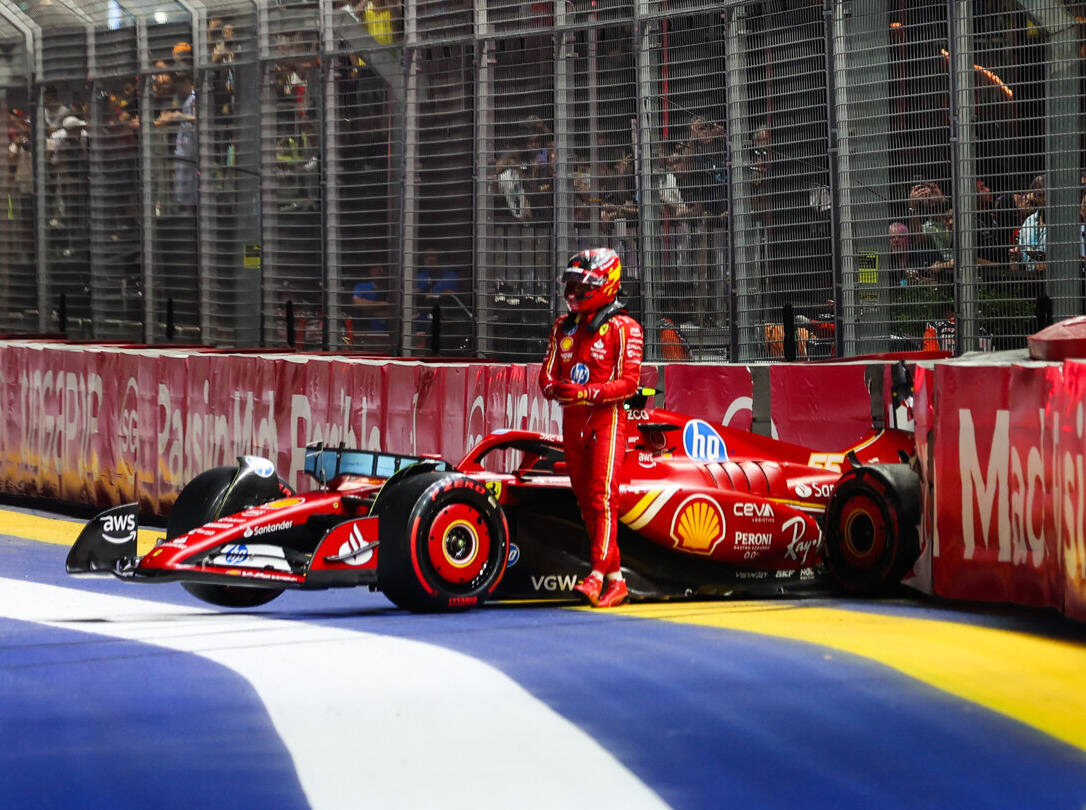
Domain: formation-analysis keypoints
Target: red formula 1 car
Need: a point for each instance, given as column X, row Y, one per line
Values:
column 705, row 510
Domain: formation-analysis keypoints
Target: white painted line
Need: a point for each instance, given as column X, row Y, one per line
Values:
column 370, row 720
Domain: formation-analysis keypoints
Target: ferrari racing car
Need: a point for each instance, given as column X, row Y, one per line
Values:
column 704, row 509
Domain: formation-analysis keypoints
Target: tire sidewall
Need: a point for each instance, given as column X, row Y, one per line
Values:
column 405, row 572
column 200, row 501
column 899, row 543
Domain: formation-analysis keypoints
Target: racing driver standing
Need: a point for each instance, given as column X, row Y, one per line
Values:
column 593, row 364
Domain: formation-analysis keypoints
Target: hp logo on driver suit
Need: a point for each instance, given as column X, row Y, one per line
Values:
column 579, row 374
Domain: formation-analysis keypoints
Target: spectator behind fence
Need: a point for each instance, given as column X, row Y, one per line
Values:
column 540, row 156
column 67, row 150
column 677, row 282
column 618, row 195
column 378, row 17
column 434, row 283
column 184, row 149
column 1029, row 251
column 371, row 309
column 671, row 195
column 182, row 57
column 52, row 110
column 511, row 186
column 21, row 176
column 162, row 89
column 994, row 225
column 906, row 265
column 709, row 190
column 930, row 220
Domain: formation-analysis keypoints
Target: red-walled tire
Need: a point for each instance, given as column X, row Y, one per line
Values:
column 870, row 529
column 443, row 542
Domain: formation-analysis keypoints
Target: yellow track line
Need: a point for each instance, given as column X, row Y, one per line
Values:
column 1033, row 679
column 60, row 532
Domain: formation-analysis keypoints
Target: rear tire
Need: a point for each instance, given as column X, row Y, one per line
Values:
column 204, row 498
column 870, row 534
column 443, row 542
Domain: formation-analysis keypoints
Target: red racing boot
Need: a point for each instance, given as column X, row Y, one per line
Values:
column 615, row 594
column 590, row 588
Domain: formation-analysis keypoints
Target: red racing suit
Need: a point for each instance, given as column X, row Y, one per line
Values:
column 591, row 372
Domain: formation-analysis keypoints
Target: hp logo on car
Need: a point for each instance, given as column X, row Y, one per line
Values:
column 237, row 554
column 260, row 466
column 702, row 443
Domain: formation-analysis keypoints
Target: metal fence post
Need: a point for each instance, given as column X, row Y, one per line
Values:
column 963, row 174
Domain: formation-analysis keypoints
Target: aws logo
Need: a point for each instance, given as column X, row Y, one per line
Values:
column 119, row 529
column 698, row 525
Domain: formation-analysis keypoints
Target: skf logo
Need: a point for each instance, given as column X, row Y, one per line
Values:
column 698, row 525
column 566, row 344
column 495, row 488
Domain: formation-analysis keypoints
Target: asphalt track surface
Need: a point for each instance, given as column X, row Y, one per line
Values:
column 121, row 696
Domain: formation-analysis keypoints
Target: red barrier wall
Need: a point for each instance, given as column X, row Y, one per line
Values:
column 1008, row 490
column 1003, row 451
column 107, row 425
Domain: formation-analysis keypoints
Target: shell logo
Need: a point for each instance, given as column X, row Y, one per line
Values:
column 698, row 525
column 566, row 344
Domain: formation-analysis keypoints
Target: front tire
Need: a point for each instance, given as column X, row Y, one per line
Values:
column 871, row 537
column 206, row 497
column 443, row 542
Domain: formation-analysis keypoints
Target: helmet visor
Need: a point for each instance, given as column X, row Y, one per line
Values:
column 578, row 275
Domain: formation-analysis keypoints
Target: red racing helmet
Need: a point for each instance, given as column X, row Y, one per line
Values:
column 592, row 279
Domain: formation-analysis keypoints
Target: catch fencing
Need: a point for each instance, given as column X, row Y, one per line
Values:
column 781, row 178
